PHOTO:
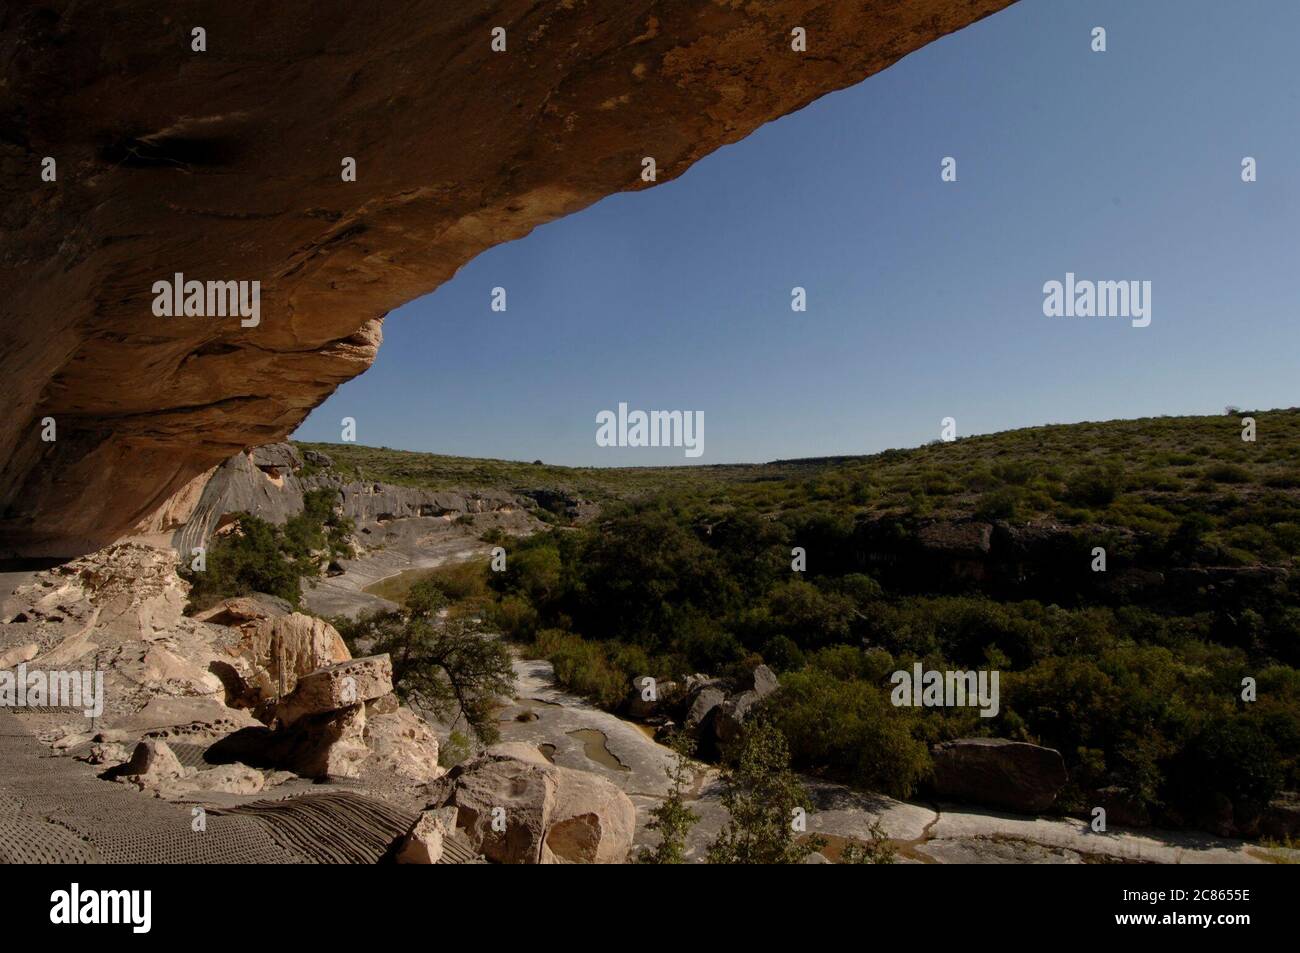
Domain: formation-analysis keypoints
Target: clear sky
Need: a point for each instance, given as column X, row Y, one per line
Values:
column 925, row 298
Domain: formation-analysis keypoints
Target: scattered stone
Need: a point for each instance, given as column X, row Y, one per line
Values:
column 18, row 655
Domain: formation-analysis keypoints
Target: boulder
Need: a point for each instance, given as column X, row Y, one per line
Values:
column 423, row 843
column 640, row 707
column 516, row 807
column 705, row 700
column 402, row 743
column 503, row 806
column 152, row 764
column 997, row 772
column 593, row 821
column 337, row 687
column 106, row 753
column 762, row 681
column 224, row 779
column 329, row 744
column 19, row 654
column 280, row 649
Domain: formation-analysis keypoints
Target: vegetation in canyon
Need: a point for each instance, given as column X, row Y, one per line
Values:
column 970, row 555
column 973, row 554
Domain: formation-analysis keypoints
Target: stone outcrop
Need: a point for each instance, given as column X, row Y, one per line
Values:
column 400, row 742
column 225, row 165
column 280, row 650
column 515, row 807
column 270, row 483
column 336, row 687
column 996, row 772
column 326, row 745
column 713, row 709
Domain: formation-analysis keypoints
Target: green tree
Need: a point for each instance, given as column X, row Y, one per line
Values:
column 248, row 558
column 673, row 819
column 446, row 666
column 877, row 850
column 762, row 798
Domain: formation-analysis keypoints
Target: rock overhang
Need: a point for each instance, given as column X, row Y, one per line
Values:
column 224, row 164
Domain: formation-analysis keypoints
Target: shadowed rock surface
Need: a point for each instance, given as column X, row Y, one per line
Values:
column 225, row 165
column 999, row 773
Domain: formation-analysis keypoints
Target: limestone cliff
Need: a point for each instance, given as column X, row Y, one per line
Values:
column 225, row 165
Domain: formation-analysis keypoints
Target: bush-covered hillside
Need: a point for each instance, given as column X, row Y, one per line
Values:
column 976, row 554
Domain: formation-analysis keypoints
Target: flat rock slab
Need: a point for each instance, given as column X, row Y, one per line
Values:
column 572, row 731
column 338, row 686
column 1172, row 847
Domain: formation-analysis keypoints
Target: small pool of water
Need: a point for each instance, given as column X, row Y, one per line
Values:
column 595, row 746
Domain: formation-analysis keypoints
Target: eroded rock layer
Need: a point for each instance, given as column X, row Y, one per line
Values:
column 224, row 165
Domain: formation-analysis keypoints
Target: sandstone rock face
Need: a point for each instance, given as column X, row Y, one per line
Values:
column 225, row 166
column 269, row 483
column 544, row 814
column 998, row 773
column 120, row 611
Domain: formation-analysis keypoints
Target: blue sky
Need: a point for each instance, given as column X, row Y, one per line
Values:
column 924, row 297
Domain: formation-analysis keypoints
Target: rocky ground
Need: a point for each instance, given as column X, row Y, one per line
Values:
column 173, row 689
column 565, row 728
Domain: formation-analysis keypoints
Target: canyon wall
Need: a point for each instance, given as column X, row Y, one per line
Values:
column 225, row 165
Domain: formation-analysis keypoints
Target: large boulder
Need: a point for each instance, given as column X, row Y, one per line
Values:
column 724, row 722
column 401, row 742
column 762, row 681
column 592, row 822
column 326, row 745
column 337, row 687
column 703, row 702
column 152, row 764
column 996, row 772
column 515, row 807
column 283, row 649
column 640, row 707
